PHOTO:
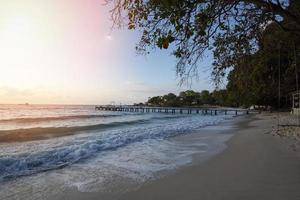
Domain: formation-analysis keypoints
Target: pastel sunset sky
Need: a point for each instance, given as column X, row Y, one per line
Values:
column 63, row 52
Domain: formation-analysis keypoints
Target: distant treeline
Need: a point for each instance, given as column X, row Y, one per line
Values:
column 262, row 77
column 191, row 98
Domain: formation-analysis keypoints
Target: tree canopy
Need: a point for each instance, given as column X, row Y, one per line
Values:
column 258, row 78
column 255, row 79
column 185, row 98
column 231, row 29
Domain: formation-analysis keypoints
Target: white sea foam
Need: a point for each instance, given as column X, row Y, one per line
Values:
column 34, row 157
column 97, row 158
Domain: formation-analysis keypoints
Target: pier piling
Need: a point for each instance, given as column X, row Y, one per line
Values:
column 189, row 110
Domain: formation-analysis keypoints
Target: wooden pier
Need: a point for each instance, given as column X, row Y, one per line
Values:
column 174, row 110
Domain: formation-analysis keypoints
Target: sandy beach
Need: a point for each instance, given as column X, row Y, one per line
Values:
column 149, row 100
column 255, row 165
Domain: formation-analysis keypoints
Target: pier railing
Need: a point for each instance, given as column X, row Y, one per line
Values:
column 174, row 110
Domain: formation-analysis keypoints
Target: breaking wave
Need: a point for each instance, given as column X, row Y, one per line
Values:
column 54, row 118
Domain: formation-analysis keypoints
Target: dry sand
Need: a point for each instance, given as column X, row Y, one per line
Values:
column 256, row 166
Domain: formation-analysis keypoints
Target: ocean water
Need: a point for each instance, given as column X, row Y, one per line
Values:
column 102, row 150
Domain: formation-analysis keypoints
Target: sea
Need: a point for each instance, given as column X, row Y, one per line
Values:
column 87, row 150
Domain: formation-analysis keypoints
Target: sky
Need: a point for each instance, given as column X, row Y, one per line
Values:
column 64, row 52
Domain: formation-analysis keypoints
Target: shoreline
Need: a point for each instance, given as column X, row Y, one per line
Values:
column 254, row 165
column 214, row 135
column 110, row 173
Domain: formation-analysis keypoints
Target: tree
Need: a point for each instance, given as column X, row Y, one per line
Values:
column 154, row 101
column 206, row 97
column 170, row 100
column 230, row 28
column 220, row 97
column 255, row 78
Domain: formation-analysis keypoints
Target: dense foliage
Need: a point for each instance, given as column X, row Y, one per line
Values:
column 230, row 28
column 190, row 98
column 270, row 74
column 256, row 41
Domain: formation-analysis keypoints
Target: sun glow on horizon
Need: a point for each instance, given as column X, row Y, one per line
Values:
column 45, row 45
column 64, row 52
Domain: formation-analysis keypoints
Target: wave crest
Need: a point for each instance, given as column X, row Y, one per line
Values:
column 55, row 118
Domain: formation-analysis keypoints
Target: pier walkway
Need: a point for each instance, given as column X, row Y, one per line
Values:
column 174, row 110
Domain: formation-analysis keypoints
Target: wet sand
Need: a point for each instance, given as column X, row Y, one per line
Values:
column 255, row 165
